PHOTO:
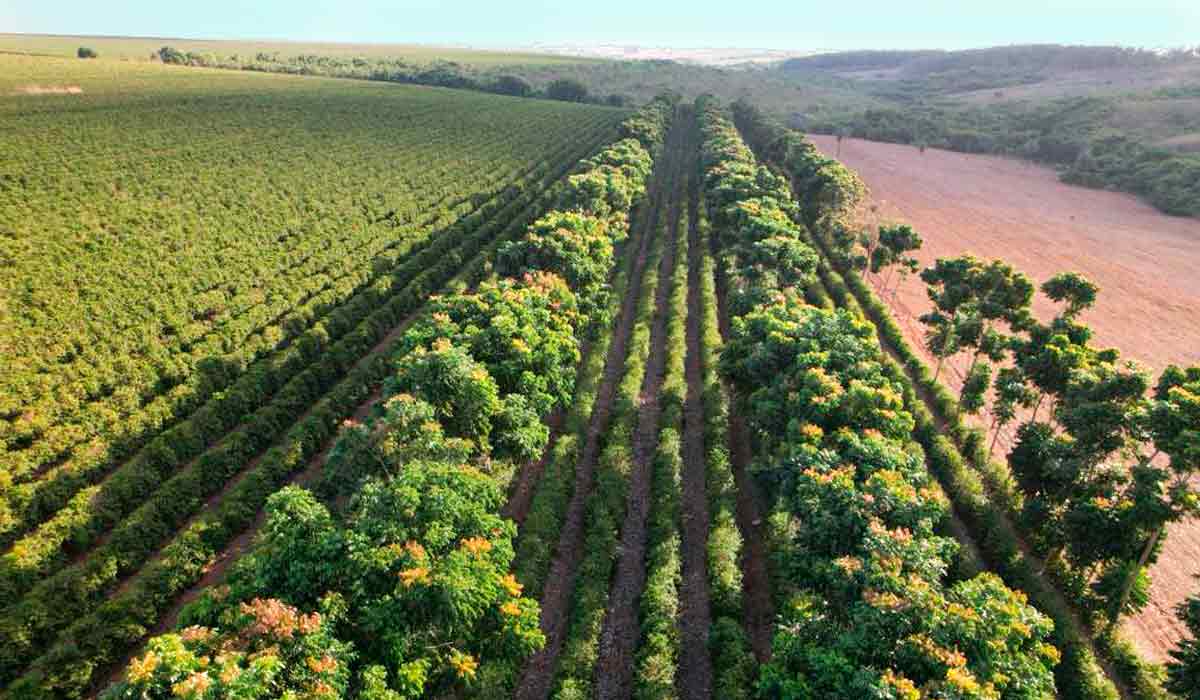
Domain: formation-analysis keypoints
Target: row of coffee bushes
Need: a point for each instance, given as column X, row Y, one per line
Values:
column 609, row 492
column 865, row 607
column 543, row 525
column 659, row 646
column 53, row 496
column 68, row 604
column 182, row 561
column 606, row 503
column 414, row 570
column 980, row 488
column 222, row 423
column 732, row 661
column 98, row 637
column 318, row 270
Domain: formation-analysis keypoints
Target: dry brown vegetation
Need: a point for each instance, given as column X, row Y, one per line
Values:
column 48, row 90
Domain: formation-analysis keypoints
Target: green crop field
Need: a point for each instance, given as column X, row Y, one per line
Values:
column 163, row 217
column 186, row 253
column 352, row 372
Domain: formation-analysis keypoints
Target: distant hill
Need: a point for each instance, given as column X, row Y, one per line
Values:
column 1044, row 59
column 1108, row 116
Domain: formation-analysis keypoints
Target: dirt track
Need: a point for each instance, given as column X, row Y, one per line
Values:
column 695, row 614
column 1144, row 262
column 620, row 633
column 538, row 674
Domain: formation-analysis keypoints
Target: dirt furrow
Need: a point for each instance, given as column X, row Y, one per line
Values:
column 521, row 494
column 695, row 615
column 620, row 633
column 560, row 581
column 758, row 608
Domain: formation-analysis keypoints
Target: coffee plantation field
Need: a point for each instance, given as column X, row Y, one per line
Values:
column 318, row 387
column 190, row 261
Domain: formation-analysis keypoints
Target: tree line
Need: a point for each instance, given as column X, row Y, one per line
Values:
column 449, row 74
column 1105, row 455
column 866, row 606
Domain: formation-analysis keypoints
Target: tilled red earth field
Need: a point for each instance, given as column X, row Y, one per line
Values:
column 1147, row 265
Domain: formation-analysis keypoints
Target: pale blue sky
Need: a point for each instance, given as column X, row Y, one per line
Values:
column 782, row 24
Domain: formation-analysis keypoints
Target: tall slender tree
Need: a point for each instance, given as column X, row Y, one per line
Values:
column 1174, row 428
column 1012, row 391
column 978, row 296
column 1075, row 290
column 948, row 285
column 891, row 252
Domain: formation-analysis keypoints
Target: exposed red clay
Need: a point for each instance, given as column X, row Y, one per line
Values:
column 1144, row 262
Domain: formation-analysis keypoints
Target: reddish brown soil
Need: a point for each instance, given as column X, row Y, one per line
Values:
column 1144, row 262
column 620, row 632
column 758, row 609
column 695, row 613
column 538, row 673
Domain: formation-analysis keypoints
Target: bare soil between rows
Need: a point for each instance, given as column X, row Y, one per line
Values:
column 520, row 496
column 538, row 674
column 758, row 606
column 694, row 676
column 620, row 632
